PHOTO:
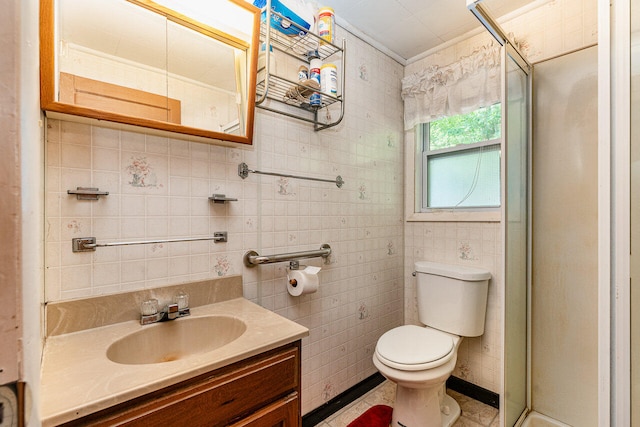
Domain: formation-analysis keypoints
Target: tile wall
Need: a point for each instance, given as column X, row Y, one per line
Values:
column 553, row 28
column 467, row 243
column 159, row 188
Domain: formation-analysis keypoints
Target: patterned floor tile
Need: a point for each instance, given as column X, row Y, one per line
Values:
column 474, row 413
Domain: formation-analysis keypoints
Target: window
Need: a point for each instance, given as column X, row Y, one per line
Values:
column 460, row 162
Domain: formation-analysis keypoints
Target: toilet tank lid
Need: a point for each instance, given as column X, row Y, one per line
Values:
column 460, row 272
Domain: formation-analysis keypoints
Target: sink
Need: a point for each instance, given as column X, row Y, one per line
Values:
column 176, row 339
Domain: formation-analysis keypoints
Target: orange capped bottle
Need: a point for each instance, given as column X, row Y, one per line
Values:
column 326, row 24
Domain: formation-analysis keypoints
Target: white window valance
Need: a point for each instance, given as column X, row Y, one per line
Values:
column 464, row 86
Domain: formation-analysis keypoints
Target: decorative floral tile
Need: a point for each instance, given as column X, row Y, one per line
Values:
column 363, row 311
column 234, row 155
column 463, row 371
column 329, row 392
column 391, row 249
column 284, row 187
column 156, row 247
column 141, row 173
column 466, row 252
column 362, row 192
column 74, row 226
column 363, row 73
column 222, row 266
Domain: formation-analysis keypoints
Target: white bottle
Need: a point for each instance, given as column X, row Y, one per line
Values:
column 315, row 65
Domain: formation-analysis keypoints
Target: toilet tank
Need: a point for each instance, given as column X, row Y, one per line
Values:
column 452, row 298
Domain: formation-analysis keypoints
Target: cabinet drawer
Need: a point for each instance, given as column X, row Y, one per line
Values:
column 214, row 399
column 282, row 413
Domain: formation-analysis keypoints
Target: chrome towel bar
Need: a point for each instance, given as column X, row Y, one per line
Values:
column 87, row 244
column 243, row 172
column 251, row 258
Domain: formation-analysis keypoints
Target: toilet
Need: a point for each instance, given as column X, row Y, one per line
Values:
column 452, row 302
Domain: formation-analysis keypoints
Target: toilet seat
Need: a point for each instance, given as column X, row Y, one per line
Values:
column 415, row 348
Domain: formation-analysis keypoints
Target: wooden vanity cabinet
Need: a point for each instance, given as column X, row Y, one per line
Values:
column 262, row 391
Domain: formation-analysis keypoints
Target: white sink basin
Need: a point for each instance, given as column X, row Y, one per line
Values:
column 175, row 339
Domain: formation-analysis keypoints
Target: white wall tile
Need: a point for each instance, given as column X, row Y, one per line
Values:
column 362, row 293
column 271, row 215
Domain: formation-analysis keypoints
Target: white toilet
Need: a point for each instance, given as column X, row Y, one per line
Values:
column 452, row 301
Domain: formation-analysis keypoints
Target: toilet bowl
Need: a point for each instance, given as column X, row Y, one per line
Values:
column 419, row 359
column 420, row 376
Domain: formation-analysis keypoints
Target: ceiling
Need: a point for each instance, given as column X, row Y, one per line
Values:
column 408, row 28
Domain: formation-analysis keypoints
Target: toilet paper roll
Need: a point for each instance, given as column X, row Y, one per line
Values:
column 302, row 282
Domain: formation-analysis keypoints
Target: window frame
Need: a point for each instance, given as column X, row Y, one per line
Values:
column 416, row 185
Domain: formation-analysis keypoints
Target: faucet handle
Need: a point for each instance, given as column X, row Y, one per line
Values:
column 149, row 312
column 149, row 307
column 182, row 299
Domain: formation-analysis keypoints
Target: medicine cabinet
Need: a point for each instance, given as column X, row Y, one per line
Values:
column 279, row 90
column 181, row 68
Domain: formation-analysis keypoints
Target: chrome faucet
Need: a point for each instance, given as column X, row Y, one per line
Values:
column 150, row 313
column 171, row 312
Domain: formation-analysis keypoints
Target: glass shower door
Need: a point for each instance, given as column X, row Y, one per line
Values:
column 515, row 220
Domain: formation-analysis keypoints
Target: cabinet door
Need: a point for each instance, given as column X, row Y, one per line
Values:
column 283, row 413
column 179, row 72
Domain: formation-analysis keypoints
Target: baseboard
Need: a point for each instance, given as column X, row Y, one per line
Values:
column 323, row 412
column 473, row 391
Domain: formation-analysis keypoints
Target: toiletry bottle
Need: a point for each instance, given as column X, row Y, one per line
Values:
column 315, row 64
column 326, row 24
column 303, row 73
column 329, row 79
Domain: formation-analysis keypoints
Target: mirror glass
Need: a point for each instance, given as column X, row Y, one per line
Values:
column 185, row 67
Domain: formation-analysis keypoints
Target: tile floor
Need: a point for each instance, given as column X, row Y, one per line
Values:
column 474, row 413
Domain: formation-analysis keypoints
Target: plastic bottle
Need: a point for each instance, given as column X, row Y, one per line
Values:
column 329, row 79
column 303, row 73
column 315, row 64
column 314, row 70
column 326, row 24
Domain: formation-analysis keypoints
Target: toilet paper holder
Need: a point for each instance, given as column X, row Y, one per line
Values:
column 294, row 265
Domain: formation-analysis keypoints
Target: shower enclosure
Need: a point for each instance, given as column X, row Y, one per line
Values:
column 550, row 226
column 516, row 200
column 596, row 368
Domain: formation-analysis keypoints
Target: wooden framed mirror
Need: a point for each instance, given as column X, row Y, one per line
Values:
column 181, row 66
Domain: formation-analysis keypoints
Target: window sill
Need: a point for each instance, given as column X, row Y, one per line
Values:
column 454, row 216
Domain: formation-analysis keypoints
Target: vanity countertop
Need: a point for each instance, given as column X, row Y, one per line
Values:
column 79, row 379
